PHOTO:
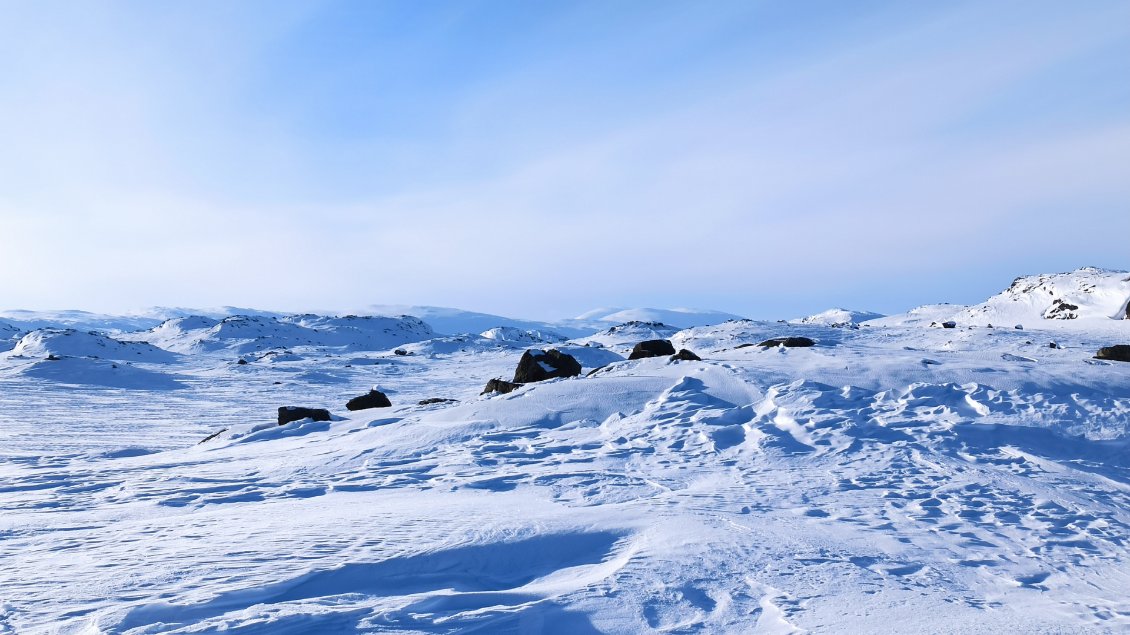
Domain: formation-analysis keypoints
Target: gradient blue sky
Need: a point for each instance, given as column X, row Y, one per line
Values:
column 541, row 158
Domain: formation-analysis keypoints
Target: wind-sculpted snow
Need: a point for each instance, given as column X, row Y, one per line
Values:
column 887, row 479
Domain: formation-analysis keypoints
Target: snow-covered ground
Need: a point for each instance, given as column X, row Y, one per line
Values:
column 898, row 476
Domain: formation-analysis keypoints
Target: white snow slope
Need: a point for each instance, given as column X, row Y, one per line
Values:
column 889, row 479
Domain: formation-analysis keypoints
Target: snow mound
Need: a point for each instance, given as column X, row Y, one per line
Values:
column 838, row 318
column 623, row 337
column 521, row 337
column 74, row 343
column 90, row 371
column 680, row 317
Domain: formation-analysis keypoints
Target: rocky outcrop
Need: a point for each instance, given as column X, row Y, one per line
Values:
column 538, row 365
column 434, row 400
column 686, row 356
column 500, row 386
column 790, row 342
column 375, row 399
column 652, row 348
column 1061, row 310
column 298, row 413
column 1116, row 353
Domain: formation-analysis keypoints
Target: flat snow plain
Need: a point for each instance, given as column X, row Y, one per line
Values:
column 896, row 478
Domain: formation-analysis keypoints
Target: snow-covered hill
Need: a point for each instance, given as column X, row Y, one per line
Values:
column 888, row 479
column 448, row 321
column 682, row 318
column 1089, row 293
column 838, row 317
column 74, row 343
column 249, row 334
column 623, row 337
column 1089, row 298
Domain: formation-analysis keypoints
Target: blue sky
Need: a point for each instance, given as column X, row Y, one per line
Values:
column 539, row 159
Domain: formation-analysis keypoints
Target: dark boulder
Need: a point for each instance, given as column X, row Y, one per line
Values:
column 790, row 342
column 542, row 365
column 745, row 345
column 949, row 324
column 431, row 400
column 401, row 352
column 242, row 362
column 500, row 386
column 652, row 348
column 375, row 399
column 686, row 356
column 298, row 413
column 1116, row 353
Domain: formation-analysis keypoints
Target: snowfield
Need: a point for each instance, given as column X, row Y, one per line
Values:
column 896, row 477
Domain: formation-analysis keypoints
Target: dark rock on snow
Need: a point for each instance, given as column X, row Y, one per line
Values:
column 652, row 348
column 500, row 386
column 686, row 356
column 950, row 324
column 213, row 435
column 1116, row 353
column 790, row 342
column 298, row 413
column 432, row 400
column 375, row 399
column 542, row 365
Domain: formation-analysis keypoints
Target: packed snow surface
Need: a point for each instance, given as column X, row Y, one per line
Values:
column 895, row 478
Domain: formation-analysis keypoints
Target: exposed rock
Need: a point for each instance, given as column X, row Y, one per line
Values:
column 686, row 356
column 400, row 351
column 790, row 342
column 52, row 357
column 375, row 399
column 298, row 413
column 652, row 348
column 746, row 345
column 500, row 386
column 432, row 400
column 1060, row 310
column 1116, row 353
column 242, row 362
column 949, row 324
column 1053, row 345
column 542, row 365
column 1019, row 327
